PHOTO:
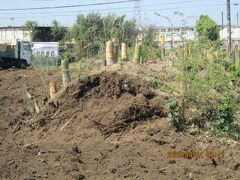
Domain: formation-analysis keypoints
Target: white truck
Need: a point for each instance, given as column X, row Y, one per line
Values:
column 17, row 55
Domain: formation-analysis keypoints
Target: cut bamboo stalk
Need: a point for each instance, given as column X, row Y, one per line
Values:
column 34, row 101
column 209, row 54
column 137, row 54
column 182, row 104
column 236, row 56
column 160, row 53
column 163, row 53
column 189, row 50
column 109, row 53
column 186, row 50
column 116, row 52
column 65, row 72
column 37, row 108
column 238, row 59
column 124, row 52
column 228, row 56
column 233, row 57
column 52, row 89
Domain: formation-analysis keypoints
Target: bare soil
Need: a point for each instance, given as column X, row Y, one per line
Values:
column 109, row 125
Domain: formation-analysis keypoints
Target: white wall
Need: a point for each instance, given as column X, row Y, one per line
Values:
column 10, row 35
column 235, row 33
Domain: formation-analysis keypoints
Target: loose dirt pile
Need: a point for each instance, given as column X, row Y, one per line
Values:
column 109, row 125
column 112, row 102
column 15, row 106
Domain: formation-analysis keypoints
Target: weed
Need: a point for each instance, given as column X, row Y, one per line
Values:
column 34, row 126
column 154, row 82
column 172, row 108
column 82, row 67
column 223, row 124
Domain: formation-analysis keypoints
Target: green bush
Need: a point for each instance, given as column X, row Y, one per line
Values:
column 210, row 86
column 223, row 124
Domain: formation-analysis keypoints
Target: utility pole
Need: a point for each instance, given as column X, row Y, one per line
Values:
column 236, row 4
column 237, row 19
column 229, row 28
column 222, row 21
column 137, row 13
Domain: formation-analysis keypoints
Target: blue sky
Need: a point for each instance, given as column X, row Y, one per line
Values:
column 166, row 8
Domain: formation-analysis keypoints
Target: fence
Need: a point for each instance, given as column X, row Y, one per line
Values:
column 44, row 63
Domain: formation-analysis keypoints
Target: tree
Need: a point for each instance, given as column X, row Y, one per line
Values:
column 87, row 29
column 87, row 32
column 149, row 35
column 57, row 31
column 207, row 28
column 113, row 27
column 30, row 28
column 130, row 32
column 93, row 30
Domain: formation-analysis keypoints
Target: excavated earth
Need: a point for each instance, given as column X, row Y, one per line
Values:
column 108, row 125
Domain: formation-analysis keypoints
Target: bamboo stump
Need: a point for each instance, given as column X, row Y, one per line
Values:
column 52, row 89
column 124, row 52
column 238, row 59
column 116, row 52
column 137, row 54
column 164, row 52
column 109, row 53
column 65, row 72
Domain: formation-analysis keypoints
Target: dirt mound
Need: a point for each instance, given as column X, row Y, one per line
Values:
column 67, row 139
column 111, row 101
column 15, row 106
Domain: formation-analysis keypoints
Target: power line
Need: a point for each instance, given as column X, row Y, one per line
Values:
column 69, row 6
column 130, row 11
column 153, row 5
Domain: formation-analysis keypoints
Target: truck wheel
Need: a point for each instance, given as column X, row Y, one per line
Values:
column 3, row 65
column 23, row 65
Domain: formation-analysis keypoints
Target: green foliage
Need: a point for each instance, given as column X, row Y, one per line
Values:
column 93, row 30
column 223, row 124
column 155, row 83
column 82, row 67
column 149, row 36
column 148, row 53
column 211, row 88
column 207, row 28
column 34, row 126
column 130, row 32
column 57, row 31
column 113, row 27
column 87, row 29
column 30, row 28
column 44, row 64
column 172, row 108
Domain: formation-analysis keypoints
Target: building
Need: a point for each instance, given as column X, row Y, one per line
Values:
column 235, row 36
column 172, row 36
column 10, row 34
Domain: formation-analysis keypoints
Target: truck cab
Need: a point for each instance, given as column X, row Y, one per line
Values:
column 17, row 55
column 23, row 51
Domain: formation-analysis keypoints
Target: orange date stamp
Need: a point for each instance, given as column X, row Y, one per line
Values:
column 195, row 154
